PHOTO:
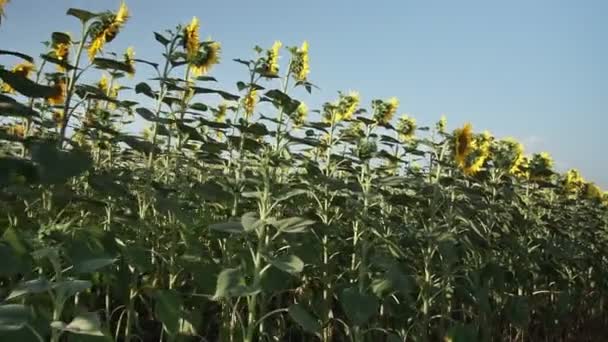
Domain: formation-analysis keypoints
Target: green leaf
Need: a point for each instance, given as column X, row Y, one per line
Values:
column 293, row 224
column 11, row 169
column 84, row 324
column 110, row 64
column 280, row 98
column 68, row 288
column 228, row 227
column 27, row 87
column 225, row 95
column 83, row 15
column 288, row 263
column 230, row 283
column 161, row 39
column 518, row 311
column 17, row 54
column 250, row 221
column 168, row 310
column 30, row 287
column 13, row 316
column 92, row 265
column 307, row 321
column 359, row 307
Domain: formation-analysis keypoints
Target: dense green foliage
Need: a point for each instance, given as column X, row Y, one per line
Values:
column 265, row 226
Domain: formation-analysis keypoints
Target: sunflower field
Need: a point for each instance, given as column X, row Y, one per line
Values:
column 236, row 217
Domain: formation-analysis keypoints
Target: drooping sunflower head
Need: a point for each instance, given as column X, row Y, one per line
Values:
column 220, row 113
column 406, row 128
column 508, row 155
column 106, row 29
column 129, row 57
column 191, row 40
column 385, row 110
column 249, row 102
column 480, row 152
column 206, row 58
column 22, row 69
column 573, row 181
column 540, row 166
column 60, row 87
column 270, row 65
column 593, row 192
column 300, row 66
column 441, row 125
column 463, row 140
column 300, row 115
column 61, row 44
column 347, row 105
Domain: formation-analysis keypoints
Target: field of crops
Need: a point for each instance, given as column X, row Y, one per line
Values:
column 242, row 217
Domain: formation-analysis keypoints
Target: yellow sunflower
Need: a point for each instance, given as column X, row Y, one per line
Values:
column 191, row 38
column 130, row 61
column 249, row 102
column 385, row 110
column 60, row 87
column 271, row 63
column 299, row 117
column 300, row 66
column 107, row 30
column 205, row 61
column 441, row 124
column 406, row 128
column 463, row 139
column 480, row 152
column 347, row 105
column 593, row 192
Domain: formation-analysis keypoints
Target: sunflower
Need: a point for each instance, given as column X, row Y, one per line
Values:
column 220, row 113
column 300, row 66
column 299, row 117
column 22, row 69
column 593, row 192
column 61, row 52
column 58, row 117
column 518, row 158
column 441, row 124
column 249, row 102
column 480, row 152
column 107, row 30
column 191, row 38
column 130, row 61
column 271, row 62
column 540, row 166
column 385, row 110
column 60, row 87
column 573, row 181
column 207, row 59
column 406, row 127
column 463, row 139
column 347, row 105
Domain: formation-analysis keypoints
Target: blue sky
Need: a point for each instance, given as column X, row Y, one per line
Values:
column 536, row 70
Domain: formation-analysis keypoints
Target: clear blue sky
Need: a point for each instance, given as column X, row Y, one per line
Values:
column 533, row 69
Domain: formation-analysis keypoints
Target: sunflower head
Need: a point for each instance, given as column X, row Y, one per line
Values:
column 385, row 110
column 17, row 130
column 206, row 58
column 191, row 40
column 573, row 181
column 106, row 29
column 129, row 57
column 300, row 66
column 60, row 87
column 347, row 105
column 480, row 152
column 61, row 44
column 463, row 140
column 249, row 102
column 406, row 128
column 540, row 166
column 300, row 115
column 270, row 64
column 593, row 192
column 442, row 124
column 508, row 155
